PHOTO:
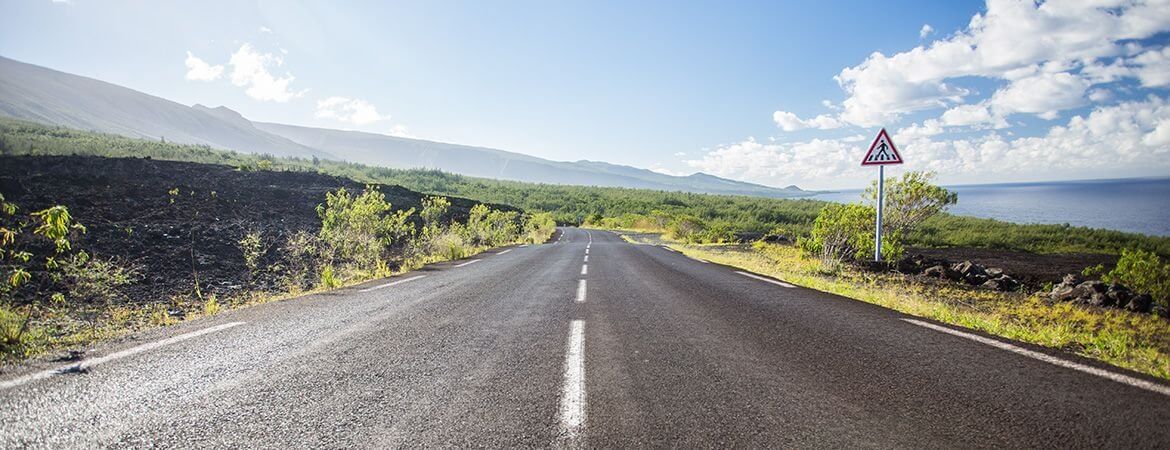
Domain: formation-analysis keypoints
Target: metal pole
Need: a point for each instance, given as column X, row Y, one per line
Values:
column 877, row 240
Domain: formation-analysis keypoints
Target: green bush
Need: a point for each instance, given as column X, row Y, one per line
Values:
column 1143, row 272
column 842, row 232
column 357, row 231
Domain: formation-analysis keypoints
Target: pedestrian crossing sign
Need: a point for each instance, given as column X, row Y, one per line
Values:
column 882, row 151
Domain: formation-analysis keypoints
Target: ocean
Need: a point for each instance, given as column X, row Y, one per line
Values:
column 1138, row 205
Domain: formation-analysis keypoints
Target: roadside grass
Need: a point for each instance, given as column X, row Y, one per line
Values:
column 1137, row 342
column 34, row 331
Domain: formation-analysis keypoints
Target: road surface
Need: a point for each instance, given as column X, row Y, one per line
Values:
column 586, row 341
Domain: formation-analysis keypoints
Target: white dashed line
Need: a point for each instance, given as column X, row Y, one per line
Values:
column 1123, row 379
column 467, row 263
column 584, row 269
column 586, row 250
column 573, row 394
column 505, row 251
column 580, row 291
column 525, row 245
column 392, row 283
column 86, row 364
column 769, row 280
column 586, row 258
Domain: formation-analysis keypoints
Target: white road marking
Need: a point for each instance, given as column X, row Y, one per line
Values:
column 573, row 394
column 700, row 260
column 586, row 258
column 586, row 250
column 505, row 251
column 1123, row 379
column 86, row 364
column 392, row 283
column 584, row 269
column 467, row 263
column 525, row 245
column 769, row 280
column 580, row 291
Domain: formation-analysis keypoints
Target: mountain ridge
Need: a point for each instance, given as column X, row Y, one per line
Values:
column 52, row 97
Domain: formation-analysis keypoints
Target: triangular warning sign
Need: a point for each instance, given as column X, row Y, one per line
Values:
column 882, row 151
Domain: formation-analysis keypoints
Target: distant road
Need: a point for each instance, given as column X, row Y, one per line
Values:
column 531, row 347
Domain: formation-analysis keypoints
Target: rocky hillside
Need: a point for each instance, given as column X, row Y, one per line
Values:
column 177, row 220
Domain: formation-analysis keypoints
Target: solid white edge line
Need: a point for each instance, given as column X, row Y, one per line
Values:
column 584, row 269
column 1112, row 376
column 525, row 245
column 505, row 251
column 87, row 363
column 769, row 280
column 392, row 283
column 581, row 291
column 573, row 393
column 467, row 263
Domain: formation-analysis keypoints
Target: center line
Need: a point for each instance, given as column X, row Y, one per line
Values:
column 586, row 250
column 586, row 258
column 1123, row 379
column 467, row 263
column 768, row 280
column 87, row 363
column 392, row 283
column 580, row 291
column 584, row 269
column 573, row 394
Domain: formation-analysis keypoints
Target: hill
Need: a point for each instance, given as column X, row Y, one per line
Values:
column 51, row 97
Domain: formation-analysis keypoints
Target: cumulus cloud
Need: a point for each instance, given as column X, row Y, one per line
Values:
column 1013, row 40
column 790, row 122
column 1133, row 135
column 200, row 70
column 925, row 31
column 349, row 110
column 250, row 70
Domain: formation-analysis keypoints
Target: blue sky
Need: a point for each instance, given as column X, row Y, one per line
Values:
column 733, row 89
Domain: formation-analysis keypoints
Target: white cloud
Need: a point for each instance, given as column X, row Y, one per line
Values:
column 349, row 110
column 966, row 115
column 925, row 31
column 790, row 122
column 1044, row 94
column 264, row 29
column 250, row 69
column 200, row 70
column 1133, row 135
column 1012, row 40
column 1154, row 67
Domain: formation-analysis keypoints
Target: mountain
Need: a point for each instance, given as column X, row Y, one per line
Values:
column 51, row 97
column 47, row 96
column 397, row 152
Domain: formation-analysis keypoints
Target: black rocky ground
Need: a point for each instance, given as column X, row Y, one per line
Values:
column 176, row 220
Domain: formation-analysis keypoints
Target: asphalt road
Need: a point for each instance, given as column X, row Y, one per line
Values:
column 525, row 347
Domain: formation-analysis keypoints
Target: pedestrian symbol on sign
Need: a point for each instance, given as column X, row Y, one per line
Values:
column 882, row 151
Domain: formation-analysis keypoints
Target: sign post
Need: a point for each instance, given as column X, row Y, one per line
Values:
column 881, row 153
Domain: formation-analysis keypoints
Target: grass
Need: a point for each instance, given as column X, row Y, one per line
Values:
column 53, row 329
column 1137, row 342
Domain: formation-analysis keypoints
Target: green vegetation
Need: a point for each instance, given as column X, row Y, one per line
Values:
column 1143, row 272
column 596, row 206
column 845, row 232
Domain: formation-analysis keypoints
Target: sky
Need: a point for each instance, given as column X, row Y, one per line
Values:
column 772, row 92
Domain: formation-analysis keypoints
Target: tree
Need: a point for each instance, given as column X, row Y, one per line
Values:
column 910, row 200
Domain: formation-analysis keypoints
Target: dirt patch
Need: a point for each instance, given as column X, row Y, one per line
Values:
column 177, row 219
column 1034, row 270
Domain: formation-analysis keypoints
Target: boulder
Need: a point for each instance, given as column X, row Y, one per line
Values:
column 969, row 269
column 1100, row 299
column 943, row 272
column 994, row 272
column 1088, row 288
column 1003, row 283
column 1140, row 303
column 1063, row 293
column 1119, row 295
column 1072, row 279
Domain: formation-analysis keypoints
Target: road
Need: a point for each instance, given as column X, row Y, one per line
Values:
column 526, row 347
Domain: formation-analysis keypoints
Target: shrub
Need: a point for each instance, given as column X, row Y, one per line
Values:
column 300, row 250
column 539, row 227
column 841, row 232
column 357, row 231
column 18, row 338
column 910, row 201
column 685, row 228
column 252, row 247
column 93, row 280
column 1144, row 272
column 211, row 306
